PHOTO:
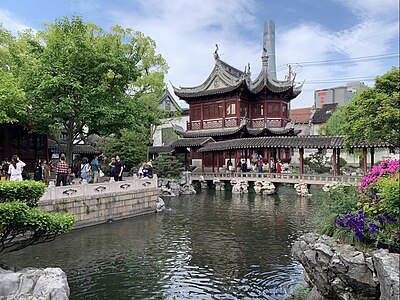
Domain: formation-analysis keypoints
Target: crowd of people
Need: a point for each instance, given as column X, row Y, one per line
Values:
column 258, row 164
column 80, row 169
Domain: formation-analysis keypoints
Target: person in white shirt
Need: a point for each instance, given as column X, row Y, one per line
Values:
column 15, row 169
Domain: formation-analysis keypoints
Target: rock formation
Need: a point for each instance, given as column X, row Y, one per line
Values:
column 339, row 271
column 34, row 284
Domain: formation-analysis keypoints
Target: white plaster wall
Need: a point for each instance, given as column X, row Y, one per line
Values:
column 166, row 123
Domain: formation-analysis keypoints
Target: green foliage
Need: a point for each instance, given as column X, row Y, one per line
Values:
column 12, row 97
column 373, row 115
column 389, row 191
column 335, row 126
column 76, row 76
column 130, row 145
column 22, row 226
column 318, row 163
column 166, row 165
column 25, row 191
column 337, row 200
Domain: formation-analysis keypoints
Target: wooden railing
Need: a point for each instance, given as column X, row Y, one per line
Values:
column 234, row 122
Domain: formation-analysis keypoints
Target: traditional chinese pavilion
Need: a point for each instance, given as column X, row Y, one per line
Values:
column 230, row 105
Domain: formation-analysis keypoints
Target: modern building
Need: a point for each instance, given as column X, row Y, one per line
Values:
column 340, row 95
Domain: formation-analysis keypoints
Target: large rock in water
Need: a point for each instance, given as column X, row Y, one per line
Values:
column 34, row 284
column 339, row 271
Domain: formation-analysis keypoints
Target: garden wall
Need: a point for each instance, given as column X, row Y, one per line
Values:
column 94, row 204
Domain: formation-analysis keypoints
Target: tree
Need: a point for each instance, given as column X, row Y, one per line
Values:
column 12, row 97
column 85, row 80
column 335, row 126
column 373, row 115
column 130, row 145
column 166, row 165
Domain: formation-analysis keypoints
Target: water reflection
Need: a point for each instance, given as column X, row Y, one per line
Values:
column 213, row 245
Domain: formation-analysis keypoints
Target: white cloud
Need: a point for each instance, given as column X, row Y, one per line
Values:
column 11, row 22
column 186, row 33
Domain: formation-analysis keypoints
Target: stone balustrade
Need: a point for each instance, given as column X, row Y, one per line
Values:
column 97, row 203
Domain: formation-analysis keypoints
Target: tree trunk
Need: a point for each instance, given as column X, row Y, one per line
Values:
column 70, row 143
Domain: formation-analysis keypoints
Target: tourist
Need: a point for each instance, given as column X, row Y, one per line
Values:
column 61, row 172
column 148, row 170
column 46, row 171
column 244, row 165
column 140, row 172
column 5, row 165
column 229, row 165
column 71, row 176
column 260, row 166
column 273, row 166
column 119, row 168
column 15, row 169
column 95, row 169
column 38, row 173
column 85, row 170
column 278, row 166
column 112, row 167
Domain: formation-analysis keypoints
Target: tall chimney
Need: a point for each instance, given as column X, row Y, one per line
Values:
column 269, row 46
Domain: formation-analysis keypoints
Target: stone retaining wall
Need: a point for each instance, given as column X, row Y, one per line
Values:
column 98, row 203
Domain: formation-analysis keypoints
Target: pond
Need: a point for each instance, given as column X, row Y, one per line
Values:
column 212, row 245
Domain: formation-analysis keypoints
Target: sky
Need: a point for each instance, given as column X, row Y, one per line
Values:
column 328, row 43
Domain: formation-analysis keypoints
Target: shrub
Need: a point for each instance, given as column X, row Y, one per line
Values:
column 166, row 165
column 374, row 220
column 22, row 226
column 25, row 191
column 318, row 163
column 337, row 200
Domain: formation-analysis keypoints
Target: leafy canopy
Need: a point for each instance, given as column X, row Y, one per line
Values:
column 12, row 97
column 373, row 115
column 86, row 80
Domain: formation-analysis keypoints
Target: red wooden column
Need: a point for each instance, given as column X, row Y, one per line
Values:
column 213, row 162
column 338, row 161
column 186, row 163
column 365, row 160
column 237, row 159
column 202, row 162
column 265, row 157
column 218, row 155
column 269, row 159
column 334, row 162
column 301, row 153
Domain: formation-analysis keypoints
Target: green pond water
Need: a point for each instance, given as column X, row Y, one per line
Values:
column 212, row 245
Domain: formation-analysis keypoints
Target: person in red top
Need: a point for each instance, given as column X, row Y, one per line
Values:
column 61, row 172
column 279, row 166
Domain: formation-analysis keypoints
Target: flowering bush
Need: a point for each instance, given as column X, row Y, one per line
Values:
column 375, row 219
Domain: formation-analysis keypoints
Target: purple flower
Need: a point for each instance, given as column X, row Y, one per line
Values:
column 373, row 228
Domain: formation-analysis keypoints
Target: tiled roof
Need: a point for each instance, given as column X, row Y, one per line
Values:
column 322, row 114
column 78, row 149
column 192, row 142
column 310, row 142
column 210, row 132
column 300, row 115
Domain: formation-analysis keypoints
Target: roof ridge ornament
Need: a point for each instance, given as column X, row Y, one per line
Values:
column 216, row 55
